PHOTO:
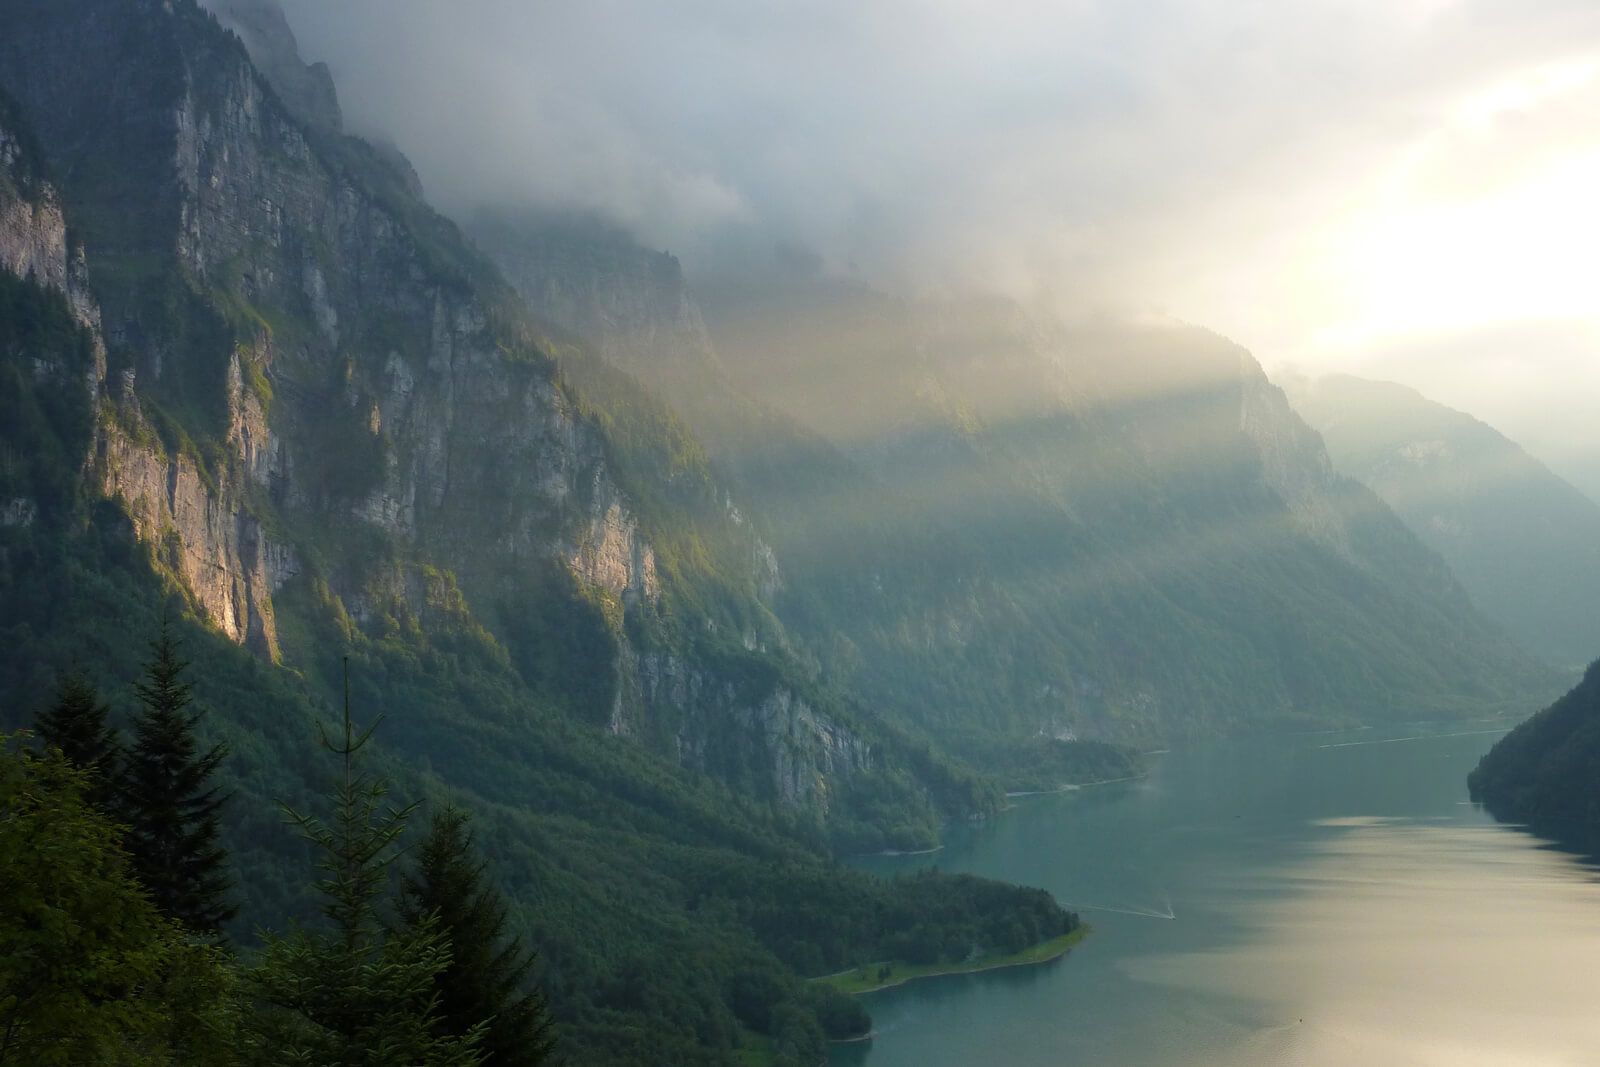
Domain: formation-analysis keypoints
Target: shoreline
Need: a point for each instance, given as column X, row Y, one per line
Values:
column 1046, row 951
column 901, row 852
column 1073, row 787
column 868, row 1036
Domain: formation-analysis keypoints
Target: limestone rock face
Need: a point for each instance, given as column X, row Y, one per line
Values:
column 216, row 546
column 471, row 444
column 374, row 387
column 796, row 753
column 203, row 532
column 631, row 302
column 33, row 234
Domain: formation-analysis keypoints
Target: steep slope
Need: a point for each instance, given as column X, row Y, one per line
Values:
column 999, row 528
column 1136, row 537
column 633, row 304
column 832, row 520
column 256, row 385
column 1546, row 772
column 1524, row 543
column 318, row 381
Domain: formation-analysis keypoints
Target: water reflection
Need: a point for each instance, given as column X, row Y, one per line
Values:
column 1414, row 943
column 1335, row 904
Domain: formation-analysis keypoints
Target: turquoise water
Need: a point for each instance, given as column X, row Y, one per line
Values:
column 1318, row 900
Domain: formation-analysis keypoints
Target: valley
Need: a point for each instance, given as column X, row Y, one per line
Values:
column 719, row 602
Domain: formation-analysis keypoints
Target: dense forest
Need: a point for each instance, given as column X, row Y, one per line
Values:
column 120, row 893
column 1546, row 772
column 261, row 405
column 674, row 916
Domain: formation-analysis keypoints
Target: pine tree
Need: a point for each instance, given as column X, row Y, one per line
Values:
column 90, row 971
column 356, row 995
column 170, row 806
column 488, row 973
column 76, row 725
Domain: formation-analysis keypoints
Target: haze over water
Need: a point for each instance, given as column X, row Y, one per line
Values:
column 1336, row 900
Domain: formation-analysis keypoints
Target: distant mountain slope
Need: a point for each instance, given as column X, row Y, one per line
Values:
column 1546, row 772
column 1524, row 543
column 248, row 378
column 989, row 524
column 312, row 378
column 1130, row 534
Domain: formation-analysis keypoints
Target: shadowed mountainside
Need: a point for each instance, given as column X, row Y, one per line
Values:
column 1524, row 543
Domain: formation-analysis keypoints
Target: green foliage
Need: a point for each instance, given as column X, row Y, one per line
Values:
column 841, row 1016
column 356, row 995
column 1023, row 528
column 45, row 405
column 1546, row 772
column 1525, row 544
column 485, row 983
column 172, row 808
column 1042, row 764
column 560, row 637
column 344, row 459
column 644, row 887
column 90, row 972
column 639, row 883
column 657, row 898
column 76, row 726
column 873, row 977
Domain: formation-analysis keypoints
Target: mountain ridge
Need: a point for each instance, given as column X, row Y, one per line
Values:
column 679, row 657
column 1524, row 542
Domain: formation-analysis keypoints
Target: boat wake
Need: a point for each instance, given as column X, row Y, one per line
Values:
column 1143, row 913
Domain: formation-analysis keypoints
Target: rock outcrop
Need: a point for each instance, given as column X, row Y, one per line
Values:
column 373, row 380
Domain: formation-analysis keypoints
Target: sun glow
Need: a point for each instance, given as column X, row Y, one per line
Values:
column 1527, row 253
column 1519, row 245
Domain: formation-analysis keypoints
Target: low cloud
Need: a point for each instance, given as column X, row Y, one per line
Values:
column 1324, row 182
column 1100, row 146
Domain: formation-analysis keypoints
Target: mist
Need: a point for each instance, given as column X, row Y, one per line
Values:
column 1327, row 184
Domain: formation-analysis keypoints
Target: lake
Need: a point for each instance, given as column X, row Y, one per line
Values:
column 1317, row 900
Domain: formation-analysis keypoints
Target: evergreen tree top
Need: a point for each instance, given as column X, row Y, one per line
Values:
column 358, row 995
column 167, row 797
column 487, row 980
column 77, row 725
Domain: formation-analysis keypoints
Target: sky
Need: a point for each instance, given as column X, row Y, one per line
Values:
column 1404, row 189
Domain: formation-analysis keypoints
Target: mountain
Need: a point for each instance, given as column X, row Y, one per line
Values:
column 1134, row 534
column 253, row 384
column 1524, row 543
column 999, row 528
column 382, row 406
column 1546, row 772
column 684, row 596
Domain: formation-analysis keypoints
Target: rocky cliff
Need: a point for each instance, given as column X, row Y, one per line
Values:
column 1136, row 536
column 632, row 303
column 313, row 377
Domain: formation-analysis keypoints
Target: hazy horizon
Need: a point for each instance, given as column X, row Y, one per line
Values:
column 1401, row 191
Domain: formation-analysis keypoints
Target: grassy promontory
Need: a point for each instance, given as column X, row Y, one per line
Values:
column 875, row 976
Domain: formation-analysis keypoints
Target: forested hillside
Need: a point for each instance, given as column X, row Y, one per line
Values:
column 680, row 603
column 1524, row 543
column 1546, row 772
column 254, row 386
column 1004, row 528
